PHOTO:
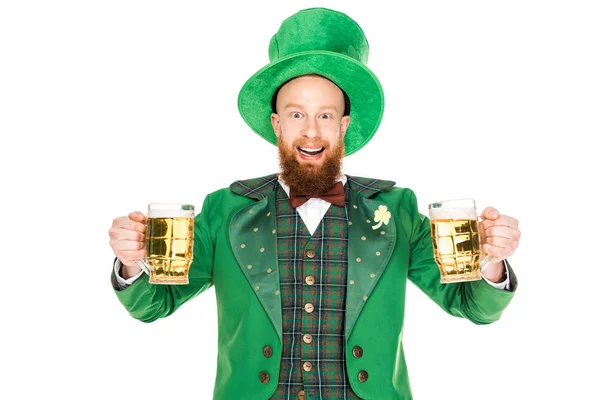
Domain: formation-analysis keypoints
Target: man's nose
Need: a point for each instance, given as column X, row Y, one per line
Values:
column 312, row 129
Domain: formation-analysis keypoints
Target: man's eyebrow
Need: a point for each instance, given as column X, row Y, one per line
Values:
column 293, row 105
column 331, row 107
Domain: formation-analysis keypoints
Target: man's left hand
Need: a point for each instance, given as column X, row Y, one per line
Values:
column 499, row 237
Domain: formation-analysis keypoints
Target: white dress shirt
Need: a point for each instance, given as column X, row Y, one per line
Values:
column 311, row 212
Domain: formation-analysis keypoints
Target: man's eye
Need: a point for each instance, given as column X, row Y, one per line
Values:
column 325, row 116
column 296, row 115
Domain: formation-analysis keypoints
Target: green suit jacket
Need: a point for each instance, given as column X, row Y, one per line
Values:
column 235, row 249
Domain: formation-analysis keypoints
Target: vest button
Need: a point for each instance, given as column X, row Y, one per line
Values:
column 267, row 351
column 357, row 351
column 310, row 280
column 307, row 366
column 311, row 253
column 309, row 308
column 307, row 338
column 301, row 395
column 264, row 377
column 363, row 376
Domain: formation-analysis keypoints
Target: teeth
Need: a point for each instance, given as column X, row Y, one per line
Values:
column 308, row 150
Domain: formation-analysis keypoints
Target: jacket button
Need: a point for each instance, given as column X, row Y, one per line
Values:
column 264, row 377
column 311, row 253
column 307, row 366
column 307, row 338
column 357, row 351
column 310, row 280
column 363, row 376
column 301, row 395
column 309, row 308
column 267, row 351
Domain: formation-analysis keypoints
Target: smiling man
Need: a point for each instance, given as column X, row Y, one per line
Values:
column 310, row 265
column 310, row 121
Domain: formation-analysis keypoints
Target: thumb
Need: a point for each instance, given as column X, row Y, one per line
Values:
column 490, row 213
column 137, row 216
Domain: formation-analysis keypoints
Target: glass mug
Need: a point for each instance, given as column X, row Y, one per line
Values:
column 169, row 243
column 456, row 240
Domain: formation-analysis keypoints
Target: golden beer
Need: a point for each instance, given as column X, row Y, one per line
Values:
column 169, row 245
column 456, row 247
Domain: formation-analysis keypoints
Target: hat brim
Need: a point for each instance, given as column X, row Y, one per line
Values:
column 358, row 81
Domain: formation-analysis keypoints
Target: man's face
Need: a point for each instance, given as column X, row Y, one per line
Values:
column 310, row 128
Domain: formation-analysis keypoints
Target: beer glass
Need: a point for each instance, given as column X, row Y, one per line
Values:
column 456, row 240
column 169, row 243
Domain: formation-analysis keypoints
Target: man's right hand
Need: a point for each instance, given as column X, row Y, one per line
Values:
column 127, row 239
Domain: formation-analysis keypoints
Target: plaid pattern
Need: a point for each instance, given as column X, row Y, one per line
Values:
column 327, row 379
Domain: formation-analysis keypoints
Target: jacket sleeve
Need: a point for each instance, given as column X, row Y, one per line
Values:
column 149, row 302
column 476, row 300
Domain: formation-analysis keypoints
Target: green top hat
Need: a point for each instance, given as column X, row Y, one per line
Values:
column 324, row 42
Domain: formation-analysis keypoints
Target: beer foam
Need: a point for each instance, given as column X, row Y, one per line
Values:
column 452, row 213
column 170, row 214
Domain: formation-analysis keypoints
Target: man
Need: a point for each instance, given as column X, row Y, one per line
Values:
column 310, row 280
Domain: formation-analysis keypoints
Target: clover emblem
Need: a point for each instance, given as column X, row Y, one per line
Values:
column 382, row 215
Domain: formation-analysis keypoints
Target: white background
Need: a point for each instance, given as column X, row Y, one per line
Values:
column 108, row 105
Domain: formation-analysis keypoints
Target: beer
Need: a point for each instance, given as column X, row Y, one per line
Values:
column 169, row 245
column 456, row 247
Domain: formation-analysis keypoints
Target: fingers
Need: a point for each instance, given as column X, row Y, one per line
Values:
column 490, row 213
column 502, row 231
column 128, row 245
column 500, row 236
column 501, row 220
column 127, row 238
column 137, row 216
column 500, row 242
column 134, row 222
column 126, row 234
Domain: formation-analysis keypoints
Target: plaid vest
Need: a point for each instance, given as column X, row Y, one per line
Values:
column 313, row 272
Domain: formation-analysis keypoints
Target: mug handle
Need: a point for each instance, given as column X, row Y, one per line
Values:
column 144, row 266
column 142, row 263
column 488, row 257
column 486, row 260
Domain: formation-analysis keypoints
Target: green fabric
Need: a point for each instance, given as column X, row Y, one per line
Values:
column 324, row 42
column 248, row 319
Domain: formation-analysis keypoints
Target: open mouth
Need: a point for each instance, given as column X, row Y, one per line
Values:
column 310, row 151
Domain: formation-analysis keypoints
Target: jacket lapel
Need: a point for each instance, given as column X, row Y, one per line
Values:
column 253, row 237
column 371, row 240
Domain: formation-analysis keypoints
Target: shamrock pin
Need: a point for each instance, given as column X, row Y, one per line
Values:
column 382, row 215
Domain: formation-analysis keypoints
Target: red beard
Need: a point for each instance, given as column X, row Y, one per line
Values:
column 311, row 179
